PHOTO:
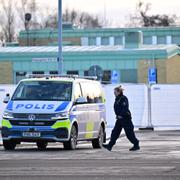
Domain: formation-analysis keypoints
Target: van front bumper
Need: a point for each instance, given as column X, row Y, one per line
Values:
column 57, row 133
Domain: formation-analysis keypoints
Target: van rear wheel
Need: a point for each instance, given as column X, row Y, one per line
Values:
column 42, row 145
column 72, row 143
column 98, row 142
column 9, row 145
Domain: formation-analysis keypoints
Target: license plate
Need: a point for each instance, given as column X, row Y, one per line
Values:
column 31, row 134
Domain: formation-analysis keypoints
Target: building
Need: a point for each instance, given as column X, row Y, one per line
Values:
column 98, row 37
column 124, row 55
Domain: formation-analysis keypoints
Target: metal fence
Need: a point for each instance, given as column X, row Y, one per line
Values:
column 156, row 106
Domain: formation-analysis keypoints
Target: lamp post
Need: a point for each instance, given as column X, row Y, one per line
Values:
column 60, row 57
column 27, row 20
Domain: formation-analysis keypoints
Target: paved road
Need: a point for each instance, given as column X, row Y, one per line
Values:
column 159, row 158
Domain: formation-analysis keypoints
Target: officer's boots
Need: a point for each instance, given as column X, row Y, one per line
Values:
column 107, row 146
column 135, row 147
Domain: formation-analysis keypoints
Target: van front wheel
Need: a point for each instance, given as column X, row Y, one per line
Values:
column 9, row 145
column 98, row 142
column 71, row 144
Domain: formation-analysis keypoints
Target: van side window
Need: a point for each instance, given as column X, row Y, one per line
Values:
column 92, row 92
column 98, row 96
column 77, row 91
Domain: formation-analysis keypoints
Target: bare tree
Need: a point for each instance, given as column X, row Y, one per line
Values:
column 7, row 22
column 77, row 18
column 143, row 18
column 82, row 19
column 49, row 19
column 22, row 10
column 34, row 11
column 28, row 6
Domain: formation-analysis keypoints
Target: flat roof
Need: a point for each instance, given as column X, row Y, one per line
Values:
column 145, row 51
column 34, row 49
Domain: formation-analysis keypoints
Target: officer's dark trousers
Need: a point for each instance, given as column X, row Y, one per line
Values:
column 128, row 128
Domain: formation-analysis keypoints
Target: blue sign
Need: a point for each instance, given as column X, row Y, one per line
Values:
column 152, row 76
column 114, row 77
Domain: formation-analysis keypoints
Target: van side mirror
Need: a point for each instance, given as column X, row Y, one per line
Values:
column 7, row 98
column 81, row 100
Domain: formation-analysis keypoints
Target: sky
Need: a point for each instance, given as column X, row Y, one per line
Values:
column 116, row 12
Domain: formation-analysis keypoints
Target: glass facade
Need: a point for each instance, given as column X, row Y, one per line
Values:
column 118, row 40
column 147, row 39
column 161, row 39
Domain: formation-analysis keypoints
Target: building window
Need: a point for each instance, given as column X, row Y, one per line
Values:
column 20, row 73
column 53, row 72
column 20, row 76
column 129, row 75
column 118, row 41
column 106, row 76
column 92, row 41
column 161, row 40
column 84, row 41
column 176, row 40
column 38, row 72
column 147, row 40
column 105, row 41
column 86, row 73
column 73, row 72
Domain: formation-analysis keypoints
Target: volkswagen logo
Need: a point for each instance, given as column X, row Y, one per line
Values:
column 31, row 117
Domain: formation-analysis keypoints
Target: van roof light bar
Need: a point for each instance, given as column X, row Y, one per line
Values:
column 56, row 75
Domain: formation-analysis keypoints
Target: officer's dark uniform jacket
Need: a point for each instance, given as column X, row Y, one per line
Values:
column 121, row 107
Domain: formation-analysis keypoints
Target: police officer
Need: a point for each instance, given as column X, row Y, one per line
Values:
column 123, row 116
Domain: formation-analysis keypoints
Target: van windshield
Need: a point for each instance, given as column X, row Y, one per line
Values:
column 43, row 91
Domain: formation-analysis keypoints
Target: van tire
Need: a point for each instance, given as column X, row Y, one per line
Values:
column 42, row 145
column 98, row 142
column 9, row 145
column 72, row 143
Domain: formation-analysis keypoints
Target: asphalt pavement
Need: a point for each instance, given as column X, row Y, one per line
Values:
column 158, row 159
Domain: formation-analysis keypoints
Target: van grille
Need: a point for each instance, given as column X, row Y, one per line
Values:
column 21, row 119
column 37, row 116
column 31, row 123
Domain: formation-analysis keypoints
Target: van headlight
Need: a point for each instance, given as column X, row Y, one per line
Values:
column 63, row 115
column 7, row 115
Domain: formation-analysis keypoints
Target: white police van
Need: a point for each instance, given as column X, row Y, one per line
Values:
column 63, row 109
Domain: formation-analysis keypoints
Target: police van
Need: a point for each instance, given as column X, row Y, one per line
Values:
column 47, row 109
